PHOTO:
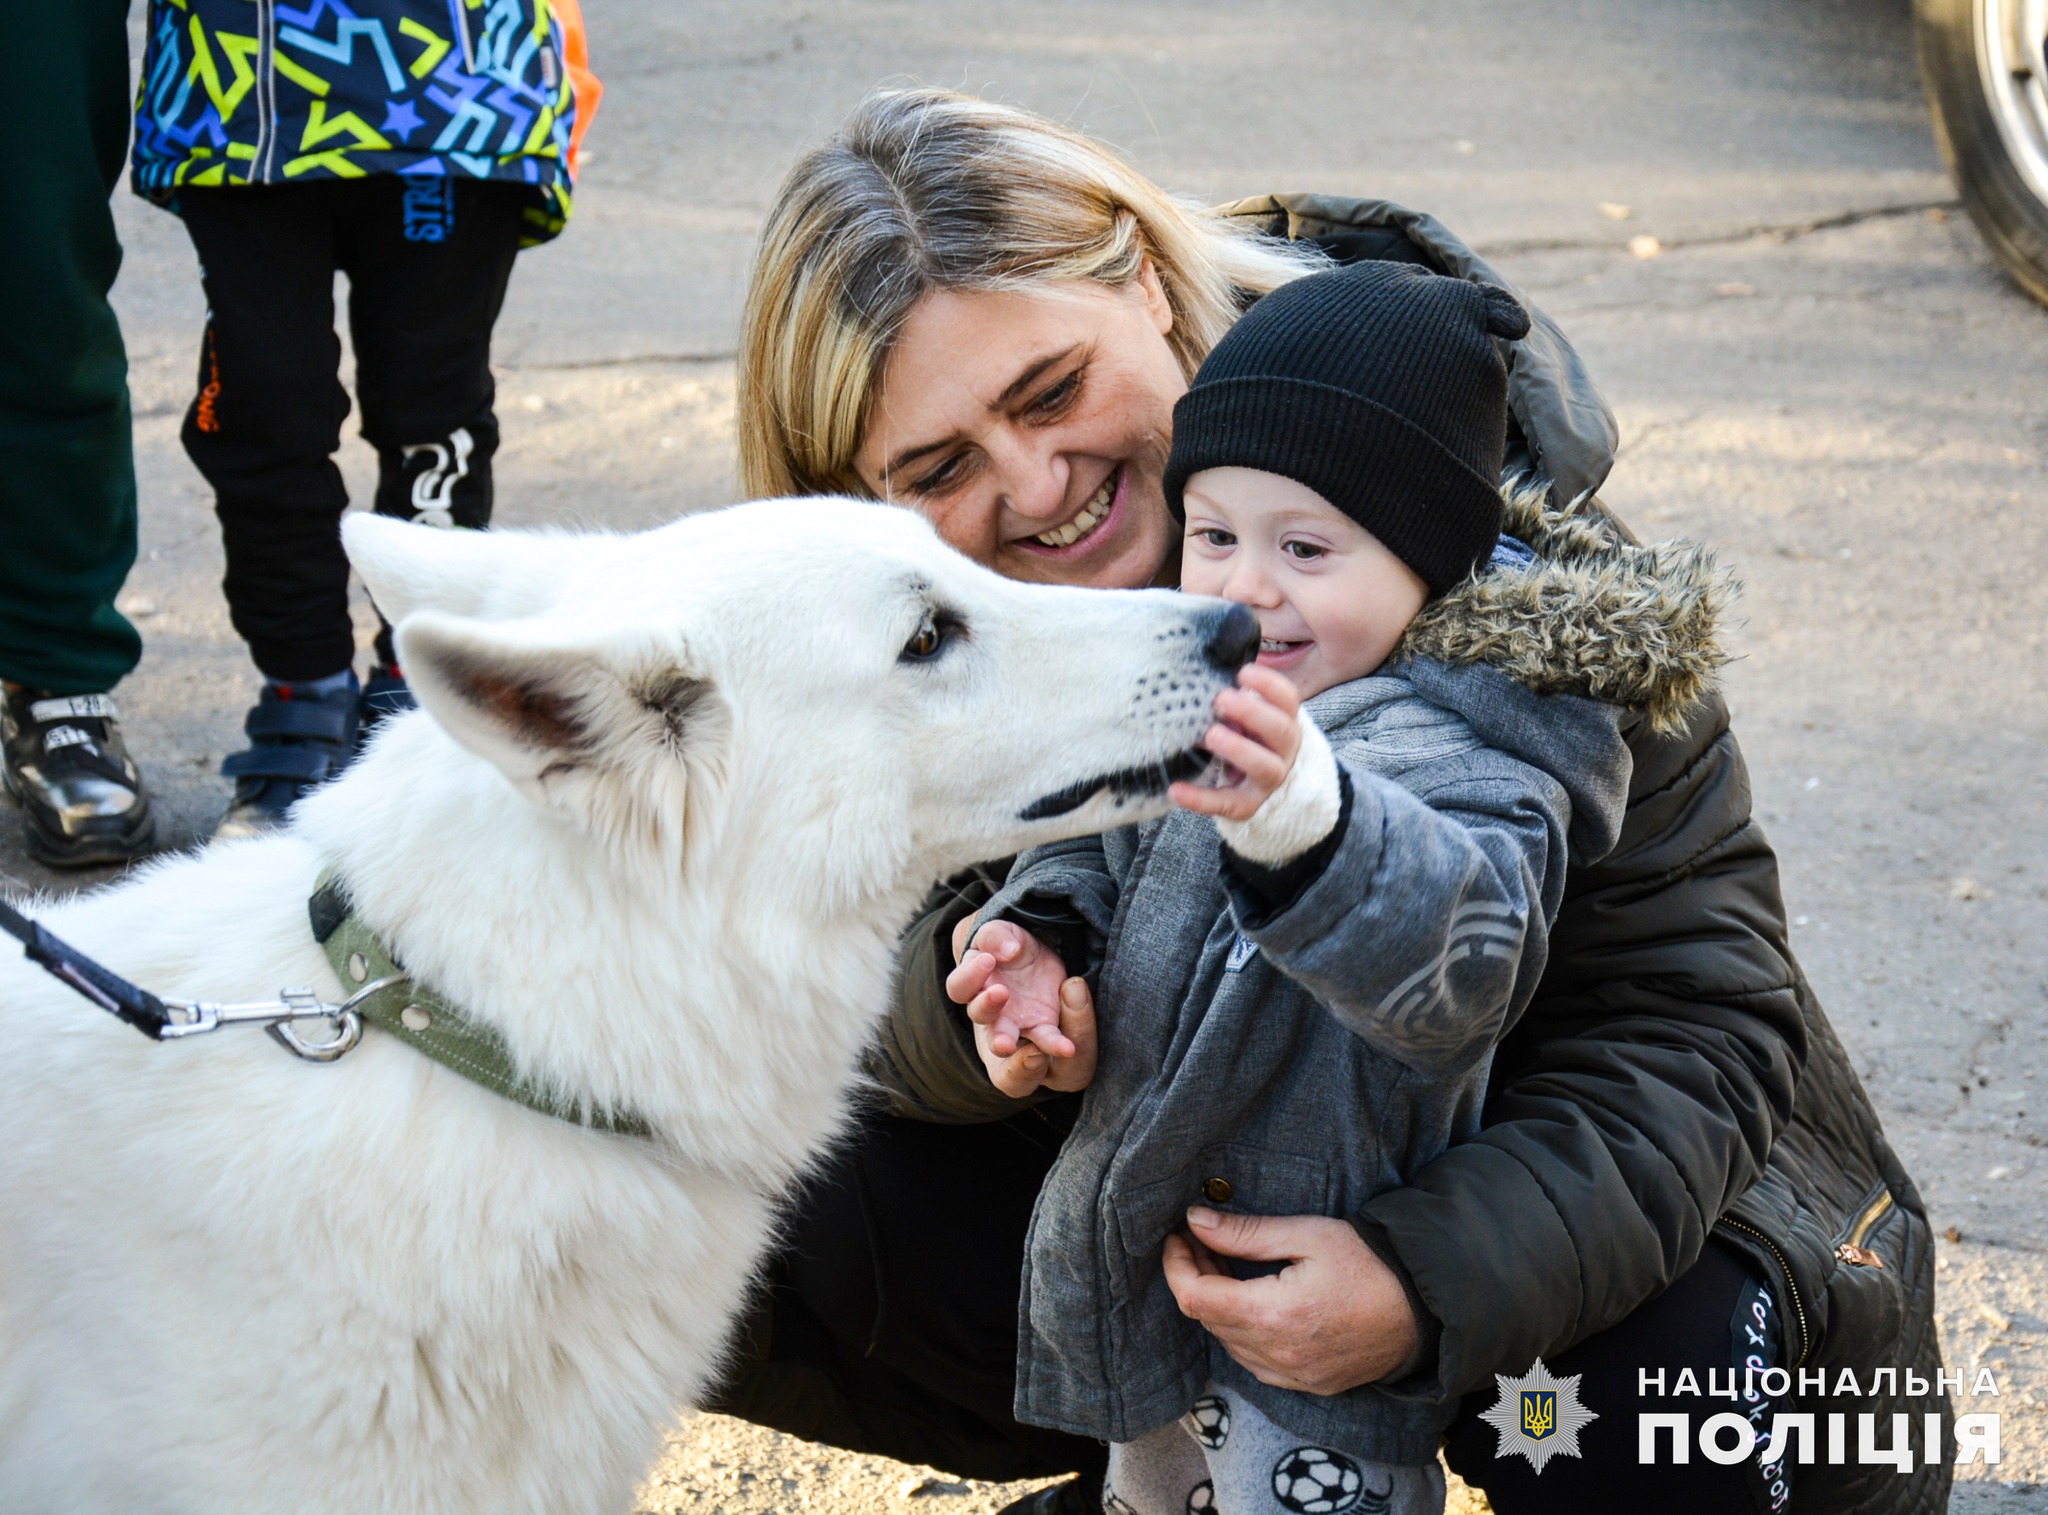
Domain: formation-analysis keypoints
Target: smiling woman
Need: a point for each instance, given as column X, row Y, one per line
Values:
column 989, row 318
column 980, row 313
column 1022, row 425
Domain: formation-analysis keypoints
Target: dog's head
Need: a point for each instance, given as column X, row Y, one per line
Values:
column 819, row 675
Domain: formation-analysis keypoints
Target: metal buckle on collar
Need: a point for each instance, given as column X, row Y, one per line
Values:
column 197, row 1017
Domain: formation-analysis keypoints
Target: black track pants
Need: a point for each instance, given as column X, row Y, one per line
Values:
column 427, row 263
column 889, row 1326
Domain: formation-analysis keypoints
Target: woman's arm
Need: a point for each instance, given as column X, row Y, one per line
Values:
column 924, row 1060
column 1639, row 1095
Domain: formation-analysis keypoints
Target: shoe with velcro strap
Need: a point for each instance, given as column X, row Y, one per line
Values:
column 82, row 798
column 385, row 694
column 297, row 741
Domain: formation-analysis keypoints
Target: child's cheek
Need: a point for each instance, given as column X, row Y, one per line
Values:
column 1199, row 576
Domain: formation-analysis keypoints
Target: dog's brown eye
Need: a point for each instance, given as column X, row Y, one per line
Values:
column 927, row 642
column 941, row 629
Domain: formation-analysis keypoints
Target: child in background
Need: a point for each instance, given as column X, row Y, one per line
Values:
column 415, row 147
column 1299, row 997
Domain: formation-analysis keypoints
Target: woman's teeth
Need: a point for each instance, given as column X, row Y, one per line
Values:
column 1090, row 517
column 1267, row 644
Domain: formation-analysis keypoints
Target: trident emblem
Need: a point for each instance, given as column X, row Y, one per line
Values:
column 1539, row 1413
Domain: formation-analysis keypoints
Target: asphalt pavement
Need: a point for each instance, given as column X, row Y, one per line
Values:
column 1817, row 366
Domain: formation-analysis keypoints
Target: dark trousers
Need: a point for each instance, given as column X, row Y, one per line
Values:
column 427, row 263
column 1706, row 1322
column 889, row 1319
column 67, row 487
column 889, row 1326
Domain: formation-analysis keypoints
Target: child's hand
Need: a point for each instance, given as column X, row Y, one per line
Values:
column 1031, row 1068
column 1257, row 735
column 1010, row 983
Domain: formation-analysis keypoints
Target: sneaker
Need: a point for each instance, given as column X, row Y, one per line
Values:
column 297, row 741
column 385, row 695
column 81, row 795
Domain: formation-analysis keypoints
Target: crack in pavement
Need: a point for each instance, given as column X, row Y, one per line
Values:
column 1630, row 442
column 1772, row 231
column 631, row 360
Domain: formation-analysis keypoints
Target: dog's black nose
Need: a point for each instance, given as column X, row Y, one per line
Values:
column 1231, row 639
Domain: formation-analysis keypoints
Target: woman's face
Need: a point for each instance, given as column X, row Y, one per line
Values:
column 1032, row 429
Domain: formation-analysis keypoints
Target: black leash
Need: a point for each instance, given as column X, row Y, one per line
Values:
column 169, row 1020
column 111, row 992
column 412, row 1014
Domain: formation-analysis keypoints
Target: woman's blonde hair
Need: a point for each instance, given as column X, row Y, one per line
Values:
column 925, row 189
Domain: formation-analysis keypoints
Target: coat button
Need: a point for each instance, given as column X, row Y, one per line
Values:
column 1217, row 1190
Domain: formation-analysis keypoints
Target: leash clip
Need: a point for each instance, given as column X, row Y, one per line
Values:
column 198, row 1017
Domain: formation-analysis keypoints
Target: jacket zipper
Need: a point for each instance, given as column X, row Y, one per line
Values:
column 266, row 87
column 1791, row 1288
column 1852, row 1250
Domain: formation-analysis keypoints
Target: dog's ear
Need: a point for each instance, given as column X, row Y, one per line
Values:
column 492, row 574
column 543, row 702
column 522, row 700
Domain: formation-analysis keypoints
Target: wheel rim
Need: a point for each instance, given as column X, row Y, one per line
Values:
column 2012, row 65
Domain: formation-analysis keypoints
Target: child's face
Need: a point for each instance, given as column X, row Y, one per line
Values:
column 1331, row 600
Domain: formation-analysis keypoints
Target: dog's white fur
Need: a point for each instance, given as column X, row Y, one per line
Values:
column 670, row 798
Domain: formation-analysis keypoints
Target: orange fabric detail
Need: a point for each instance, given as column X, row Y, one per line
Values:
column 583, row 84
column 207, row 419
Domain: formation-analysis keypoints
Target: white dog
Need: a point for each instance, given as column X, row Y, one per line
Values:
column 668, row 802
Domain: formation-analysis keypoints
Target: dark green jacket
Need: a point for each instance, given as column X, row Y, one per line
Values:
column 1673, row 1077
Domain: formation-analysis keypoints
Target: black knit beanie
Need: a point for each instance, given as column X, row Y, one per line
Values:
column 1378, row 386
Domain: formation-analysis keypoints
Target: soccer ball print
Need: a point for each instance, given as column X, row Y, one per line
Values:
column 1313, row 1481
column 1202, row 1498
column 1210, row 1421
column 1113, row 1505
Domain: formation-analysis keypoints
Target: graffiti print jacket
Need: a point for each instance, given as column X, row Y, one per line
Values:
column 276, row 92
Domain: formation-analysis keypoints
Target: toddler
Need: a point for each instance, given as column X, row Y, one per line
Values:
column 1303, row 969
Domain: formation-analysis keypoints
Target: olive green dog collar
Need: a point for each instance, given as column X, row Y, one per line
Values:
column 429, row 1024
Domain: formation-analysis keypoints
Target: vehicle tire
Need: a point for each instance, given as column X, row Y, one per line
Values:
column 1984, row 64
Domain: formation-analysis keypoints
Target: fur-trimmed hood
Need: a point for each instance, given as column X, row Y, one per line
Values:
column 1595, row 614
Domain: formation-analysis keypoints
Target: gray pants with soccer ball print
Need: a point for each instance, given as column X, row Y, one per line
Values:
column 1224, row 1458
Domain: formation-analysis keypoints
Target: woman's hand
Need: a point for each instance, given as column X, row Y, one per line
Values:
column 1257, row 735
column 1334, row 1318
